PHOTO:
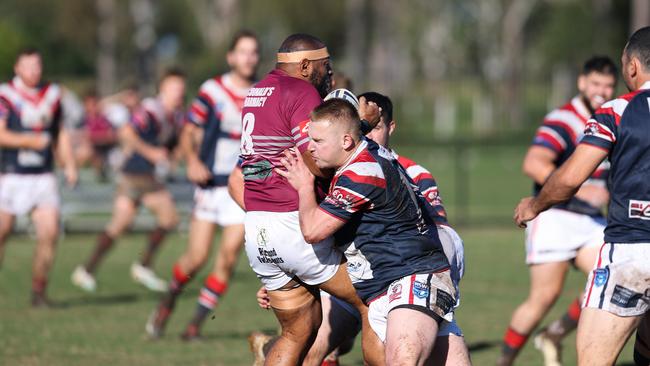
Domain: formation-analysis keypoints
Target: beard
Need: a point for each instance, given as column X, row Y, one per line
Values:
column 322, row 83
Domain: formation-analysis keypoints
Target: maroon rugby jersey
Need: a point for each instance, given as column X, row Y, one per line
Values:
column 274, row 118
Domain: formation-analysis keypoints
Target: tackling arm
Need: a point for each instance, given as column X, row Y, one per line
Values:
column 315, row 224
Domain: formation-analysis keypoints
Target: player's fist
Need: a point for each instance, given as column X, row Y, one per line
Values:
column 369, row 111
column 524, row 212
column 197, row 172
column 263, row 298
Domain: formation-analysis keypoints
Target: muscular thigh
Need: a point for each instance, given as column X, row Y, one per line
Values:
column 410, row 334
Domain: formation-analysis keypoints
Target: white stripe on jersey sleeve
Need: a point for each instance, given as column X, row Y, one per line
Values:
column 554, row 134
column 573, row 122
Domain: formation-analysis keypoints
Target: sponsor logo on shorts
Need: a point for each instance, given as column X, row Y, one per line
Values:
column 639, row 210
column 624, row 297
column 395, row 293
column 600, row 276
column 354, row 266
column 444, row 301
column 269, row 256
column 262, row 237
column 421, row 289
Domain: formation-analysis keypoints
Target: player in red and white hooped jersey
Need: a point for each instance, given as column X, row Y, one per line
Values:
column 31, row 131
column 210, row 142
column 147, row 138
column 569, row 233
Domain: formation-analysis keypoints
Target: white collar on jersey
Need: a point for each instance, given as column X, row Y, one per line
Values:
column 19, row 84
column 580, row 106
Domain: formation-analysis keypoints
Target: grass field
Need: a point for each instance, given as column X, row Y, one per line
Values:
column 106, row 328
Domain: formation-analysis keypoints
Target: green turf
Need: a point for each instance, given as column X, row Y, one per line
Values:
column 106, row 328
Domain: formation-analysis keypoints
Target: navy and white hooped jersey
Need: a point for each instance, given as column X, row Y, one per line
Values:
column 622, row 128
column 217, row 109
column 427, row 185
column 155, row 127
column 561, row 132
column 385, row 217
column 29, row 112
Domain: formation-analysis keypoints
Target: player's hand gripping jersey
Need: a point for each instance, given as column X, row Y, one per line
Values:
column 274, row 118
column 155, row 128
column 561, row 132
column 385, row 217
column 30, row 113
column 218, row 110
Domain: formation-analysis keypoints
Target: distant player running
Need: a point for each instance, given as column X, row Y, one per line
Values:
column 210, row 143
column 406, row 281
column 275, row 117
column 618, row 289
column 570, row 232
column 31, row 132
column 147, row 140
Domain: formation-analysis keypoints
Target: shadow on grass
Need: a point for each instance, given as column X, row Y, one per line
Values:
column 482, row 346
column 99, row 300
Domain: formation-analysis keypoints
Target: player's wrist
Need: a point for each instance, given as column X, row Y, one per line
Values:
column 365, row 126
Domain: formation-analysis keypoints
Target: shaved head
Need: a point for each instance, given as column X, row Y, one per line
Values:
column 300, row 42
column 334, row 132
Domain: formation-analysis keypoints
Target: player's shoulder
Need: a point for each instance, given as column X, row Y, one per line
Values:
column 567, row 113
column 615, row 108
column 364, row 167
column 404, row 161
column 209, row 83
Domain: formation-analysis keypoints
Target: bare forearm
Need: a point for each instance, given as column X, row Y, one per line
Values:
column 18, row 140
column 131, row 140
column 64, row 149
column 308, row 209
column 557, row 189
column 188, row 142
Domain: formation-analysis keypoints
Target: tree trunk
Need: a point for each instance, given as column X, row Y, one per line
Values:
column 639, row 14
column 106, row 33
column 356, row 42
column 144, row 38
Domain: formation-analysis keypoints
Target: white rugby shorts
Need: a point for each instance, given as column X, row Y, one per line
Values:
column 277, row 251
column 21, row 193
column 620, row 281
column 215, row 205
column 556, row 235
column 429, row 293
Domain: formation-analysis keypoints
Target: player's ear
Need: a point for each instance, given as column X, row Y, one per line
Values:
column 633, row 67
column 229, row 59
column 391, row 127
column 306, row 68
column 582, row 82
